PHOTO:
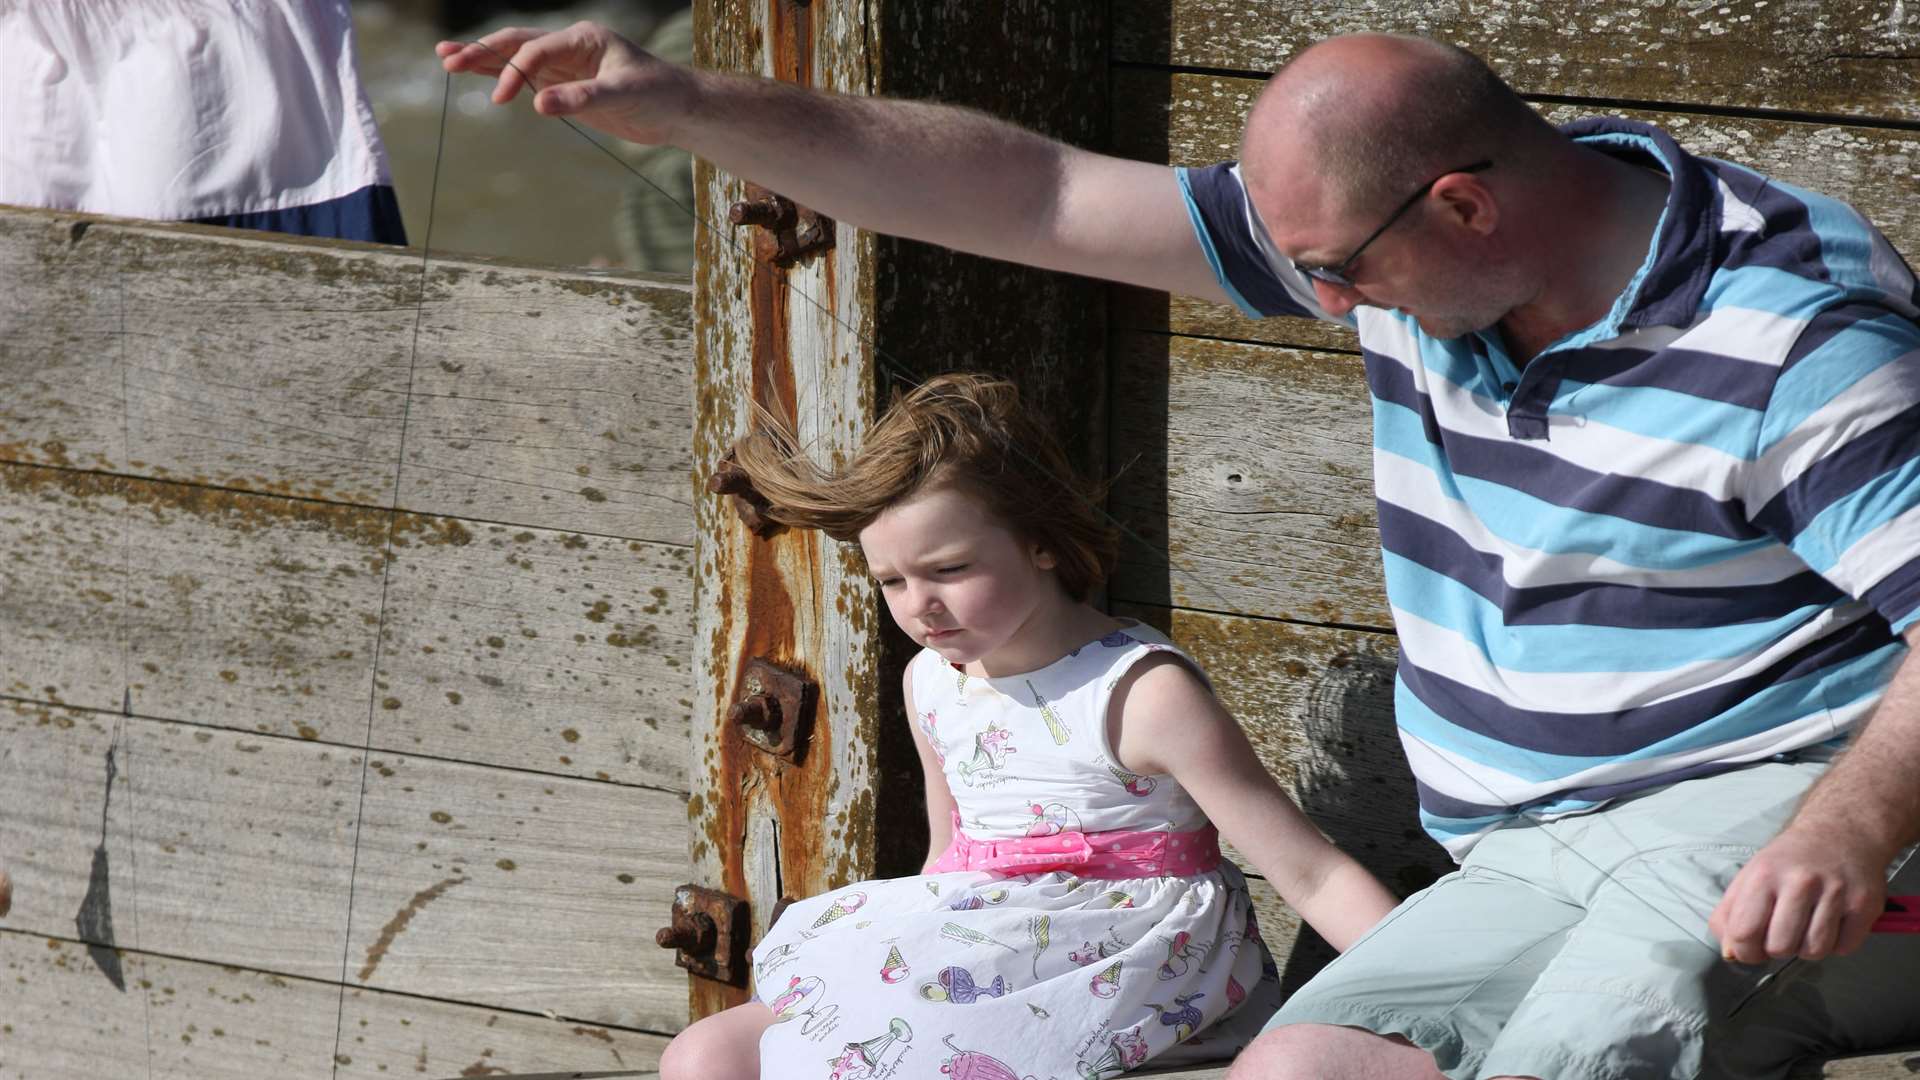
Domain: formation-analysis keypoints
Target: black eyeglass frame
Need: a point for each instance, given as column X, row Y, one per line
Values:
column 1336, row 275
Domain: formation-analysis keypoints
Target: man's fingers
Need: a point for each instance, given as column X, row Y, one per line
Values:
column 1826, row 928
column 486, row 56
column 567, row 98
column 1740, row 921
column 1787, row 929
column 1858, row 923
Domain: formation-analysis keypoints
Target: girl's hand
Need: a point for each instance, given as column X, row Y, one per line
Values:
column 1163, row 720
column 585, row 71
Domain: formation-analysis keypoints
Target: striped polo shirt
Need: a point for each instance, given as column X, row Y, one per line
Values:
column 1681, row 539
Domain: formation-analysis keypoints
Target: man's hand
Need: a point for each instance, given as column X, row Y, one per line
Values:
column 585, row 71
column 1811, row 893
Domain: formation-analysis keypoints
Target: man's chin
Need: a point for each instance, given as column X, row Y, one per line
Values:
column 1446, row 329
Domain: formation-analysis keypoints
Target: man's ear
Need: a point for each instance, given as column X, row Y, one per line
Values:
column 1468, row 202
column 1043, row 559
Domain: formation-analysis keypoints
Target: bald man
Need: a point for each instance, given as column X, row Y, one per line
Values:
column 1647, row 450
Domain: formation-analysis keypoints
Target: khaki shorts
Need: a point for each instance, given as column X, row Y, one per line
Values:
column 1578, row 949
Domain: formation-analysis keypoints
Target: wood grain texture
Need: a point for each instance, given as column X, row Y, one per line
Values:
column 1195, row 119
column 184, row 1020
column 536, row 649
column 288, row 366
column 488, row 886
column 528, row 648
column 1252, row 490
column 1848, row 57
column 251, row 611
column 519, row 891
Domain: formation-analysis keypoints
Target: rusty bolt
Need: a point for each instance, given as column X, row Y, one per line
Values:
column 760, row 711
column 692, row 934
column 766, row 210
column 729, row 478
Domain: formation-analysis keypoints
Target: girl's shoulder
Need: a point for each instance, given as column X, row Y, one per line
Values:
column 1118, row 651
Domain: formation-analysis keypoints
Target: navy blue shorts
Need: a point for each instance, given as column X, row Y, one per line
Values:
column 371, row 214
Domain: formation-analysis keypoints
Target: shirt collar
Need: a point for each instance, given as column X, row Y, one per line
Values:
column 1670, row 285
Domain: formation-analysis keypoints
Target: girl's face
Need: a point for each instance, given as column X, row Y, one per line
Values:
column 956, row 580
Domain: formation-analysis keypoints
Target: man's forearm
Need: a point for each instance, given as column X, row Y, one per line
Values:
column 1873, row 789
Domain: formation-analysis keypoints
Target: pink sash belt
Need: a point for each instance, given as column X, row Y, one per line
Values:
column 1117, row 853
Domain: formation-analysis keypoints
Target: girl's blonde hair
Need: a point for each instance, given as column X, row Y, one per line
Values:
column 968, row 432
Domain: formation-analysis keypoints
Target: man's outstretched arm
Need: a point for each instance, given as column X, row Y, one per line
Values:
column 937, row 173
column 1816, row 889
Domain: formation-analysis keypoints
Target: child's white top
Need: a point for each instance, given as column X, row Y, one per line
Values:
column 997, row 758
column 1034, row 975
column 177, row 109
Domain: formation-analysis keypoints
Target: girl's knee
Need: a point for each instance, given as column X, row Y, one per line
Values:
column 702, row 1054
column 724, row 1046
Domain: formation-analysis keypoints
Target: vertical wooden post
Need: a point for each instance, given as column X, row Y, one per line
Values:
column 824, row 343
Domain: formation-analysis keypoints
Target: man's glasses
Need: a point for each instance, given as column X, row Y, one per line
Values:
column 1336, row 276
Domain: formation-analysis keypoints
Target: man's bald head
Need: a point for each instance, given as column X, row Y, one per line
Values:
column 1377, row 115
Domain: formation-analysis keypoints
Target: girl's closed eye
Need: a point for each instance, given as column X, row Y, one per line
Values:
column 954, row 569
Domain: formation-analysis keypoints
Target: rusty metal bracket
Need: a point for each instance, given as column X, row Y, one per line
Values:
column 787, row 232
column 751, row 506
column 709, row 932
column 775, row 710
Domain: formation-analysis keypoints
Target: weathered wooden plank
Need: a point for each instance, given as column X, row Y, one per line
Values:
column 238, row 849
column 183, row 1020
column 1252, row 492
column 284, row 366
column 542, row 650
column 1890, row 1065
column 62, row 587
column 522, row 647
column 249, row 611
column 63, row 372
column 224, row 846
column 519, row 891
column 1197, row 119
column 1846, row 57
column 555, row 399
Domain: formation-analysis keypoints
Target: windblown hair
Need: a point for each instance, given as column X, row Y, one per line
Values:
column 968, row 432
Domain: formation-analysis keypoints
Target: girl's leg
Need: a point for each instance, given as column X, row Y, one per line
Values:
column 724, row 1046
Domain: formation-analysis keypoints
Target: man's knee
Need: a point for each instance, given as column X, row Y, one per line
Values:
column 1328, row 1052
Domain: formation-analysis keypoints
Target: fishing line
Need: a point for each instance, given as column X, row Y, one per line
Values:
column 386, row 568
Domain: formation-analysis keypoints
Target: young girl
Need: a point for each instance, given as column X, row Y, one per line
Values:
column 1074, row 918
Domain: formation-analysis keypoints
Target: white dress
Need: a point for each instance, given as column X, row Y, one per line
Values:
column 978, row 975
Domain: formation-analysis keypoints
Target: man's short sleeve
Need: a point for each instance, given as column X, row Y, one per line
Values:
column 1837, row 468
column 1259, row 280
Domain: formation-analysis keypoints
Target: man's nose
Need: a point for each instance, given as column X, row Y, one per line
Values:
column 1336, row 300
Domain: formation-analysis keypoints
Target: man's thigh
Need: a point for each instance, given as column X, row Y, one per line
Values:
column 1577, row 948
column 1445, row 969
